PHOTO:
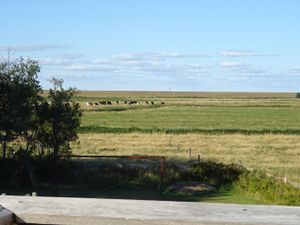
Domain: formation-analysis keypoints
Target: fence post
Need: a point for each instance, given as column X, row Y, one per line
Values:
column 162, row 169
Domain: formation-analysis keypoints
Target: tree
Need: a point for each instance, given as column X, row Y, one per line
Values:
column 59, row 119
column 19, row 97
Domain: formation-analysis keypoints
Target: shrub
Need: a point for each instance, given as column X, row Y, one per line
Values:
column 268, row 188
column 216, row 174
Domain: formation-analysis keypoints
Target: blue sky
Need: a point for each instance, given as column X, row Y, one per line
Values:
column 187, row 45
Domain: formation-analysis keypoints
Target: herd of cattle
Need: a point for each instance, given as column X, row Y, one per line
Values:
column 118, row 102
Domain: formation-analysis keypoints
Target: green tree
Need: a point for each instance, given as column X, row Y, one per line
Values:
column 59, row 119
column 19, row 98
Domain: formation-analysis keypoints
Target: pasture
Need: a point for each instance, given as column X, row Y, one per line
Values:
column 258, row 130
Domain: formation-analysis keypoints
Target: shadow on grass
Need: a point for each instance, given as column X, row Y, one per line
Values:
column 137, row 193
column 137, row 179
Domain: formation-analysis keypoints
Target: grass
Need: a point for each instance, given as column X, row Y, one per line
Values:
column 258, row 130
column 191, row 118
column 136, row 192
column 277, row 154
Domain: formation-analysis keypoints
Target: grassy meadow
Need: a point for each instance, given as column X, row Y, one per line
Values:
column 191, row 118
column 258, row 130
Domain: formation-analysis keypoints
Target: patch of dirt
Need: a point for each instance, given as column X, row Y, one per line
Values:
column 191, row 187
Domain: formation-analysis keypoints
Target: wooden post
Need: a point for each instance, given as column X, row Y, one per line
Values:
column 162, row 170
column 198, row 159
column 190, row 153
column 170, row 141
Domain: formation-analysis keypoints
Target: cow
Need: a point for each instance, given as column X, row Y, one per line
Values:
column 117, row 102
column 152, row 103
column 108, row 103
column 133, row 103
column 147, row 102
column 162, row 103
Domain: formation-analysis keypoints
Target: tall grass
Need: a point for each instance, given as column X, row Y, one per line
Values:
column 277, row 154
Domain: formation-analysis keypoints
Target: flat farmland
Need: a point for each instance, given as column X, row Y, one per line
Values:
column 191, row 118
column 258, row 130
column 276, row 154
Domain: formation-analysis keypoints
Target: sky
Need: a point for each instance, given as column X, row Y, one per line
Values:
column 158, row 45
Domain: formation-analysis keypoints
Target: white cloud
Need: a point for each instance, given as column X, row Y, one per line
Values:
column 61, row 59
column 242, row 68
column 230, row 64
column 151, row 56
column 295, row 69
column 90, row 68
column 54, row 61
column 180, row 55
column 132, row 68
column 130, row 57
column 102, row 61
column 150, row 63
column 68, row 56
column 31, row 48
column 241, row 53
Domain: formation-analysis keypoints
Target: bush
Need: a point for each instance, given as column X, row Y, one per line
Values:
column 268, row 188
column 216, row 174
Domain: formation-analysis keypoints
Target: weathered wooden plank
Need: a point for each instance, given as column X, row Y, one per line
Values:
column 6, row 216
column 51, row 210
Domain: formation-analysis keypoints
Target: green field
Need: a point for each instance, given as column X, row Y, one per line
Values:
column 191, row 118
column 259, row 130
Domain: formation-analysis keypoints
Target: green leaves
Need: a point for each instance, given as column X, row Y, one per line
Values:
column 19, row 97
column 59, row 120
column 49, row 123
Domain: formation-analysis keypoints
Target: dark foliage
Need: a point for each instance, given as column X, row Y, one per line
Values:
column 59, row 120
column 216, row 174
column 19, row 98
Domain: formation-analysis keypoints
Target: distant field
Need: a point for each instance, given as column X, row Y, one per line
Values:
column 193, row 117
column 249, row 128
column 194, row 98
column 185, row 94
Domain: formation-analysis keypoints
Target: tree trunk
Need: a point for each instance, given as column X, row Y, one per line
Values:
column 4, row 147
column 55, row 169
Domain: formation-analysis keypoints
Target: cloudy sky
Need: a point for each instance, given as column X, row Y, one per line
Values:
column 178, row 45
